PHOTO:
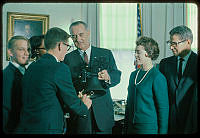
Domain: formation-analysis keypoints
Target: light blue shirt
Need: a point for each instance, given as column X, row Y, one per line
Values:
column 184, row 62
column 88, row 52
column 20, row 68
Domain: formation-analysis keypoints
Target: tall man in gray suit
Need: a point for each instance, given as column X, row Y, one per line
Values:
column 19, row 51
column 101, row 118
column 181, row 73
column 48, row 90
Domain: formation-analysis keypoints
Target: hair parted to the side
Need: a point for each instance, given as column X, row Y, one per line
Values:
column 53, row 36
column 77, row 23
column 11, row 42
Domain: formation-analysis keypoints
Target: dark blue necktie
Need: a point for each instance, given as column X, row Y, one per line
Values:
column 180, row 68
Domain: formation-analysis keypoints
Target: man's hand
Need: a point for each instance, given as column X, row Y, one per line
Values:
column 86, row 100
column 103, row 75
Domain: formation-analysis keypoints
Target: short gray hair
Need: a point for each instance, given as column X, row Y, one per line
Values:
column 77, row 23
column 183, row 31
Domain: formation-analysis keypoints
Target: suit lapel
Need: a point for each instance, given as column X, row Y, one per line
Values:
column 187, row 80
column 92, row 56
column 174, row 70
column 80, row 59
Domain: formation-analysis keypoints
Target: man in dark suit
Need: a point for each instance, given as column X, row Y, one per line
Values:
column 181, row 73
column 48, row 90
column 101, row 119
column 18, row 50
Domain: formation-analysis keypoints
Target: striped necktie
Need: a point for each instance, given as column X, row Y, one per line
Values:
column 85, row 57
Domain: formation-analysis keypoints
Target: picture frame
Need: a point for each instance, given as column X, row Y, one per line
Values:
column 26, row 24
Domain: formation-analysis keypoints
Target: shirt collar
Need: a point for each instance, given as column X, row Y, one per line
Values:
column 88, row 51
column 20, row 68
column 55, row 58
column 186, row 57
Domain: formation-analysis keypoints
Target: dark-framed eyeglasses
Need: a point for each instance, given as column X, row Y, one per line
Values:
column 73, row 36
column 68, row 46
column 174, row 44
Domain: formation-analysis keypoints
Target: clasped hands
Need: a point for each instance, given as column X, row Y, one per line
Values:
column 85, row 99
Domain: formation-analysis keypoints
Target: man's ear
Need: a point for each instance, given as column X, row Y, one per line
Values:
column 88, row 32
column 189, row 41
column 146, row 55
column 59, row 47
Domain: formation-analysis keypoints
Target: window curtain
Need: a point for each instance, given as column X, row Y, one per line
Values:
column 118, row 32
column 191, row 21
column 117, row 25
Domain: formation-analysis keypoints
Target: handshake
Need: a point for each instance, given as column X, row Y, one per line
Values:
column 85, row 99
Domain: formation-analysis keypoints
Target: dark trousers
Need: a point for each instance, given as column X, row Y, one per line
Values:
column 85, row 125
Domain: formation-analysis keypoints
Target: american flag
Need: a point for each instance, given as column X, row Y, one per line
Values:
column 139, row 20
column 139, row 27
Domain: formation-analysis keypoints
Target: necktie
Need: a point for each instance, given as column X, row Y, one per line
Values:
column 180, row 68
column 85, row 57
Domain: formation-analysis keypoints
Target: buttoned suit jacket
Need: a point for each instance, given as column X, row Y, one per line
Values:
column 11, row 98
column 182, row 95
column 102, row 106
column 47, row 89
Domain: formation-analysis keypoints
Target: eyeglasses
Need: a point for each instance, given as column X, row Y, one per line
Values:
column 67, row 46
column 73, row 36
column 174, row 44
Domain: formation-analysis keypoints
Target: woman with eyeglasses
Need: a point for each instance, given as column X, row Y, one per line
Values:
column 37, row 47
column 147, row 106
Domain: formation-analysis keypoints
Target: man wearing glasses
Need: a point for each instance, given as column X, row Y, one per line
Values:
column 48, row 90
column 181, row 73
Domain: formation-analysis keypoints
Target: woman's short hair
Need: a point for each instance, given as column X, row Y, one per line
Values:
column 35, row 42
column 150, row 46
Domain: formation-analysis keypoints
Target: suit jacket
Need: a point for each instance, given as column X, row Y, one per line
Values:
column 182, row 95
column 47, row 88
column 102, row 106
column 11, row 98
column 147, row 103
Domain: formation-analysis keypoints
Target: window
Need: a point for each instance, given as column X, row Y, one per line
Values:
column 118, row 32
column 192, row 23
column 118, row 28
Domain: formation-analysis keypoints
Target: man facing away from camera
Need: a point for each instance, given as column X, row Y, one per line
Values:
column 48, row 89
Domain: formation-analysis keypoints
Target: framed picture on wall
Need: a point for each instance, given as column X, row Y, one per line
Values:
column 26, row 24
